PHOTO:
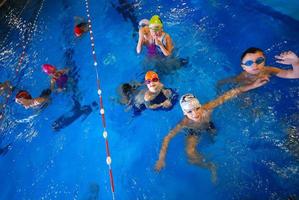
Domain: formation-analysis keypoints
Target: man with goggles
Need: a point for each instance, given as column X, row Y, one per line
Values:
column 253, row 64
column 197, row 120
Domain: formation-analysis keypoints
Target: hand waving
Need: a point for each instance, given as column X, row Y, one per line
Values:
column 287, row 58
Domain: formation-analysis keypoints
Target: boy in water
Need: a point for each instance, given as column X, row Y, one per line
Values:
column 253, row 64
column 132, row 96
column 197, row 120
column 24, row 98
column 156, row 96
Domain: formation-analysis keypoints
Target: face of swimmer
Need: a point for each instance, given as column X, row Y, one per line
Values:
column 194, row 114
column 253, row 63
column 191, row 107
column 156, row 31
column 153, row 84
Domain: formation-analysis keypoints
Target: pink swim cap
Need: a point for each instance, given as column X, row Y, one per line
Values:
column 48, row 69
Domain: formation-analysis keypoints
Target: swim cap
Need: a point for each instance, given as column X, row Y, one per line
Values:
column 188, row 102
column 23, row 94
column 48, row 69
column 78, row 31
column 150, row 75
column 155, row 21
column 143, row 22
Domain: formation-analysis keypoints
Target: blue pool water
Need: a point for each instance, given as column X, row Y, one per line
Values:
column 59, row 152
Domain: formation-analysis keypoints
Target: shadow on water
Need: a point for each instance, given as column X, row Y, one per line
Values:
column 75, row 113
column 77, row 109
column 93, row 193
column 127, row 10
column 5, row 149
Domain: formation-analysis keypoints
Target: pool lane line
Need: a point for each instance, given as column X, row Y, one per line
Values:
column 20, row 61
column 102, row 111
column 29, row 37
column 11, row 29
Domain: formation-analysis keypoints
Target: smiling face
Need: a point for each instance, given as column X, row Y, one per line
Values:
column 253, row 63
column 194, row 114
column 191, row 107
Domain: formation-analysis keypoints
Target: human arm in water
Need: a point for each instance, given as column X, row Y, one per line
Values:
column 31, row 103
column 167, row 49
column 287, row 58
column 140, row 41
column 165, row 104
column 234, row 92
column 161, row 161
column 234, row 79
column 34, row 102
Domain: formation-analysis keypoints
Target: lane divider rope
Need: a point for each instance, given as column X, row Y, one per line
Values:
column 30, row 35
column 102, row 111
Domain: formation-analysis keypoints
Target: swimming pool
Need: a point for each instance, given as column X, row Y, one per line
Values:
column 59, row 152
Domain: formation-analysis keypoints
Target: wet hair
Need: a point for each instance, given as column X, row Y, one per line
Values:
column 251, row 50
column 126, row 88
column 46, row 93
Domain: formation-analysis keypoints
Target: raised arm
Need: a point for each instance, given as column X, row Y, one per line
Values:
column 234, row 79
column 234, row 92
column 161, row 162
column 140, row 41
column 288, row 58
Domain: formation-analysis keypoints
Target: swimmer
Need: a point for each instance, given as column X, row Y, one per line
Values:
column 144, row 35
column 24, row 98
column 5, row 87
column 197, row 120
column 253, row 63
column 80, row 27
column 127, row 92
column 132, row 96
column 156, row 96
column 155, row 39
column 57, row 76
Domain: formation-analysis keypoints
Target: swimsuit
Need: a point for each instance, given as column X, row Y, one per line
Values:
column 154, row 50
column 207, row 126
column 160, row 98
column 60, row 79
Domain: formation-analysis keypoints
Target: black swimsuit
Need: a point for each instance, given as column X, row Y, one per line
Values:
column 198, row 131
column 160, row 98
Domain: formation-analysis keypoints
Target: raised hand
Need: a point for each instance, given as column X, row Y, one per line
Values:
column 288, row 58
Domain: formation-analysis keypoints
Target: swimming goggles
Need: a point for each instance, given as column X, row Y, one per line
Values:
column 148, row 81
column 258, row 61
column 142, row 25
column 155, row 28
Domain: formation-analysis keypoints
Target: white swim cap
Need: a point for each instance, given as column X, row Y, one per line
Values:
column 143, row 22
column 188, row 102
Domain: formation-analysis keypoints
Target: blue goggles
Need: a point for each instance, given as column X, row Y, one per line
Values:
column 258, row 61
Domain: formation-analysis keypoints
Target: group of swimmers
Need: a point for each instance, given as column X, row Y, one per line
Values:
column 155, row 96
column 58, row 79
column 197, row 116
